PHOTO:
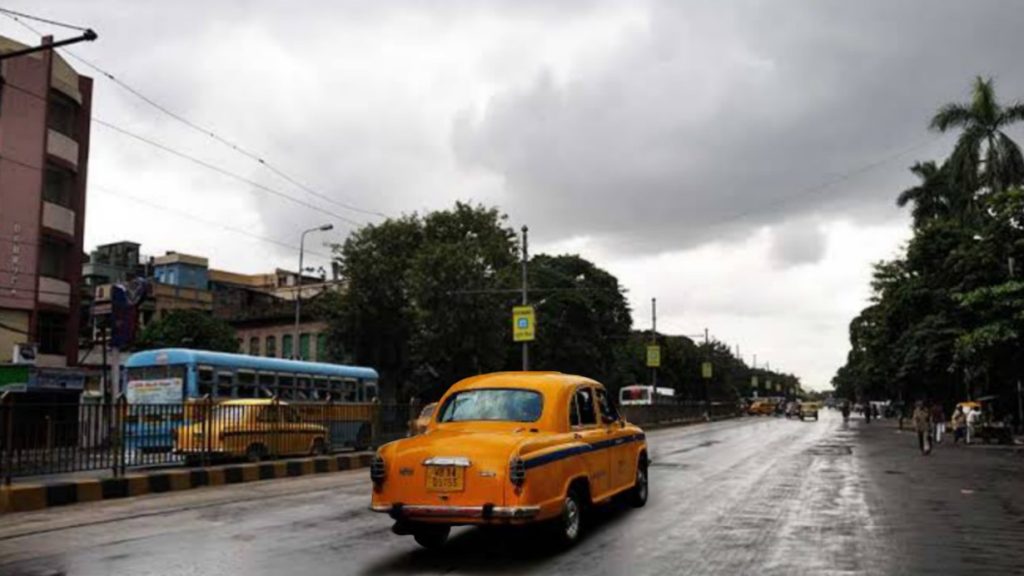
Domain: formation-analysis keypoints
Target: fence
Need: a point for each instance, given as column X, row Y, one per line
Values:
column 38, row 439
column 648, row 415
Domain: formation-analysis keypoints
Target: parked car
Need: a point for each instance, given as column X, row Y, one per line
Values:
column 809, row 410
column 761, row 408
column 511, row 449
column 419, row 425
column 253, row 428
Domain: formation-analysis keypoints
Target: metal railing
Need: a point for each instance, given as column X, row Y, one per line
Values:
column 47, row 439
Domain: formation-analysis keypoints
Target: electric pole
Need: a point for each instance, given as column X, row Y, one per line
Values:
column 526, row 295
column 654, row 341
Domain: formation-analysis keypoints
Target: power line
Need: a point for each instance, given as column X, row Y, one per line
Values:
column 223, row 171
column 13, row 14
column 205, row 131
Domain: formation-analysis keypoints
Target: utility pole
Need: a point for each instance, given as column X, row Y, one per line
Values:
column 87, row 36
column 526, row 292
column 654, row 341
column 707, row 358
column 296, row 354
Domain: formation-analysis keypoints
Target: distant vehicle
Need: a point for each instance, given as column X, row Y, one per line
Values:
column 157, row 380
column 809, row 410
column 511, row 449
column 419, row 425
column 641, row 395
column 793, row 410
column 254, row 428
column 761, row 408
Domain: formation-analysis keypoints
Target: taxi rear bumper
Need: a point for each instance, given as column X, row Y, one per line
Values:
column 400, row 511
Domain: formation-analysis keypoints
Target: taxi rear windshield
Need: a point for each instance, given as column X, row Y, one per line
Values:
column 495, row 404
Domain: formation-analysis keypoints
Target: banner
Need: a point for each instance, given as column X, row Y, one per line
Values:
column 163, row 391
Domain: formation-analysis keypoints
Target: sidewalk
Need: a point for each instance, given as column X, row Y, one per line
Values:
column 958, row 510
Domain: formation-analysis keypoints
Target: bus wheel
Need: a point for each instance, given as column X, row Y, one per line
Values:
column 255, row 453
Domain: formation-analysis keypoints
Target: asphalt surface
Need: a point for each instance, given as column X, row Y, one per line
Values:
column 751, row 496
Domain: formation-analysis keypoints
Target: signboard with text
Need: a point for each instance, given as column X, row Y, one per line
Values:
column 706, row 370
column 162, row 391
column 654, row 356
column 523, row 324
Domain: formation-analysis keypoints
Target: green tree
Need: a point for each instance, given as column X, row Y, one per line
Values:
column 188, row 329
column 984, row 154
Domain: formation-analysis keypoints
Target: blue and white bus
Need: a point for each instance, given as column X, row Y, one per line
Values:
column 179, row 376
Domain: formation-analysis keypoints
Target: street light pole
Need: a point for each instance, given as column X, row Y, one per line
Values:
column 526, row 295
column 298, row 286
column 654, row 342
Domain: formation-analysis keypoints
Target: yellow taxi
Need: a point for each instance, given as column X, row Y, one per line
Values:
column 761, row 408
column 511, row 448
column 809, row 410
column 251, row 428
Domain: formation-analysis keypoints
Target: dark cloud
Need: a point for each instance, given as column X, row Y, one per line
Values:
column 716, row 119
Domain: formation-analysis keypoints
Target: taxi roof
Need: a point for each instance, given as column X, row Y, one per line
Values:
column 540, row 381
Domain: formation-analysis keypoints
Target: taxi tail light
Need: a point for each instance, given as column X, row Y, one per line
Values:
column 517, row 471
column 377, row 469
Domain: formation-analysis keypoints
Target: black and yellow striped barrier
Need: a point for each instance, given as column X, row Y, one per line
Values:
column 24, row 497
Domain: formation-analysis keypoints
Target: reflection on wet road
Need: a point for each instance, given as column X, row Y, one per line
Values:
column 757, row 495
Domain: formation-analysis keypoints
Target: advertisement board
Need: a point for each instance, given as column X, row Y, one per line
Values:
column 163, row 391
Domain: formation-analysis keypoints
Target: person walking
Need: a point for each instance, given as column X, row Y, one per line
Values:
column 867, row 413
column 846, row 410
column 973, row 417
column 922, row 421
column 959, row 424
column 938, row 422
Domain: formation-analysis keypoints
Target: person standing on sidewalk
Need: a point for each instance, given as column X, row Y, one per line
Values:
column 973, row 417
column 938, row 422
column 959, row 424
column 922, row 421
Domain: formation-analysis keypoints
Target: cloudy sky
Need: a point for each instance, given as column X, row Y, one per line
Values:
column 736, row 160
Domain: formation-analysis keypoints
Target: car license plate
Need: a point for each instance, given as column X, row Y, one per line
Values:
column 446, row 478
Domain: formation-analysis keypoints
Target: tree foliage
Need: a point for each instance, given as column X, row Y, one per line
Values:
column 188, row 329
column 945, row 321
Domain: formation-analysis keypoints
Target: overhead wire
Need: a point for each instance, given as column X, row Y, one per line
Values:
column 14, row 14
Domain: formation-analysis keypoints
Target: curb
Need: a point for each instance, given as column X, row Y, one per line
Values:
column 26, row 497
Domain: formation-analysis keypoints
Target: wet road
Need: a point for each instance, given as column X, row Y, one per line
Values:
column 758, row 495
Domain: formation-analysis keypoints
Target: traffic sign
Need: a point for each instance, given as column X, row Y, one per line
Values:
column 706, row 370
column 753, row 381
column 523, row 324
column 653, row 356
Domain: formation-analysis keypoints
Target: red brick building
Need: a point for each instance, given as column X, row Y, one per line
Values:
column 45, row 109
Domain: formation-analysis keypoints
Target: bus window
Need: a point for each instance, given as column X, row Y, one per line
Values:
column 337, row 388
column 204, row 381
column 369, row 390
column 321, row 388
column 245, row 385
column 286, row 387
column 350, row 391
column 267, row 384
column 302, row 388
column 225, row 383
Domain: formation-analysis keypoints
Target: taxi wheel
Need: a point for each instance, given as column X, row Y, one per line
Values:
column 570, row 523
column 255, row 453
column 432, row 538
column 638, row 495
column 319, row 447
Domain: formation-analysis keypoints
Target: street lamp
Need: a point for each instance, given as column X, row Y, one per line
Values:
column 298, row 286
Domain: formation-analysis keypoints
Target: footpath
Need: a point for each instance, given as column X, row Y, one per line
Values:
column 959, row 510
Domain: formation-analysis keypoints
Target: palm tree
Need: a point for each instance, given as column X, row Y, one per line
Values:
column 984, row 154
column 931, row 196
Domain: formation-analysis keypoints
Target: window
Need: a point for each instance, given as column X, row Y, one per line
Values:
column 245, row 385
column 62, row 115
column 59, row 186
column 225, row 382
column 271, row 350
column 286, row 346
column 583, row 402
column 205, row 381
column 321, row 347
column 304, row 346
column 254, row 346
column 268, row 384
column 53, row 259
column 492, row 404
column 286, row 387
column 52, row 333
column 608, row 411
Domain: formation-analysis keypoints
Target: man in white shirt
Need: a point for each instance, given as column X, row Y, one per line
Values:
column 973, row 415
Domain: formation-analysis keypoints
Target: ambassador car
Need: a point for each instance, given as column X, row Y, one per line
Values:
column 511, row 448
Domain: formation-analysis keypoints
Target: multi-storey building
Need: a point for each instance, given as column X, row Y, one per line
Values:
column 44, row 151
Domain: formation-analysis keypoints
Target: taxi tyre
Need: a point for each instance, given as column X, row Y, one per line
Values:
column 255, row 452
column 641, row 486
column 569, row 524
column 319, row 447
column 431, row 537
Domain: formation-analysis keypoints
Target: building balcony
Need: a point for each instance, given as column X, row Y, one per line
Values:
column 63, row 147
column 59, row 218
column 54, row 291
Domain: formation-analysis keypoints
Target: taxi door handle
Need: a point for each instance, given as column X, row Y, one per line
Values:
column 578, row 436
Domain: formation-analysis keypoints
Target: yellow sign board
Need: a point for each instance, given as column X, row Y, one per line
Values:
column 706, row 370
column 654, row 356
column 523, row 324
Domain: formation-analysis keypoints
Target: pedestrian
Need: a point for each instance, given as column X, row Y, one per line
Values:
column 922, row 420
column 973, row 419
column 938, row 422
column 959, row 424
column 867, row 413
column 846, row 410
column 874, row 411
